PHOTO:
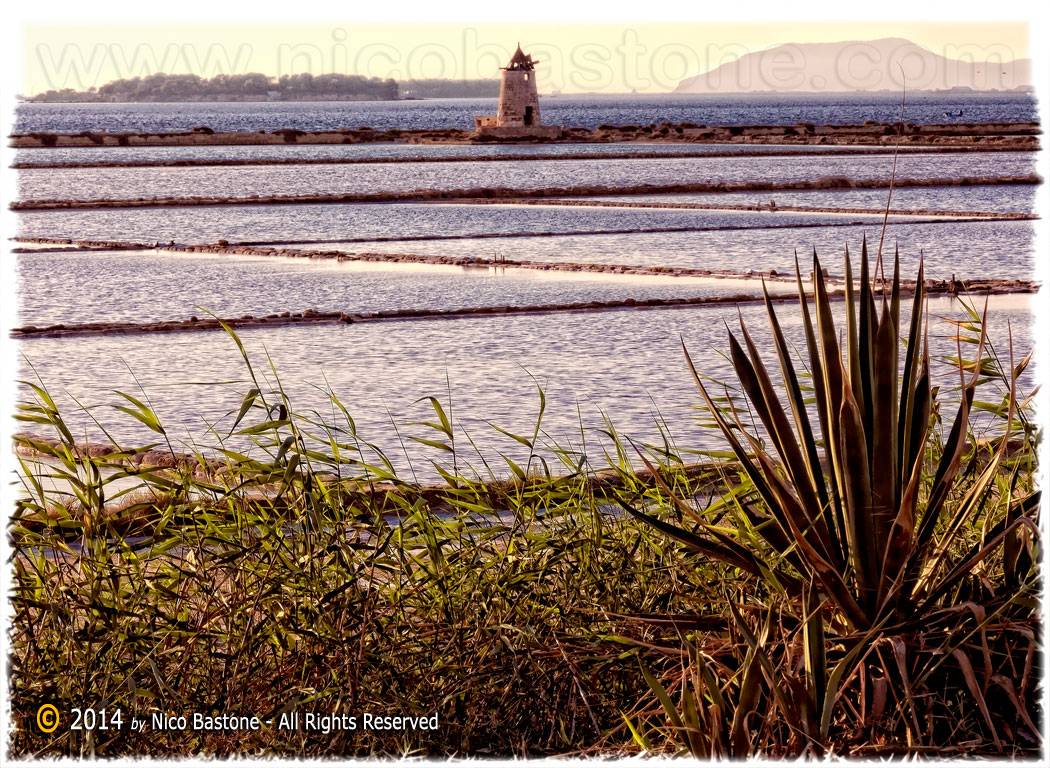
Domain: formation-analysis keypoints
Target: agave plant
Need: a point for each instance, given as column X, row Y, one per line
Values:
column 857, row 513
column 849, row 504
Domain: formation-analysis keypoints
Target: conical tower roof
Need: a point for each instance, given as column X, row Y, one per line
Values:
column 521, row 61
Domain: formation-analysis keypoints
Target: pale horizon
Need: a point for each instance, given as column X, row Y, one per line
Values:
column 574, row 59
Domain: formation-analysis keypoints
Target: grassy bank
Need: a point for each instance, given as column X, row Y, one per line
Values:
column 842, row 586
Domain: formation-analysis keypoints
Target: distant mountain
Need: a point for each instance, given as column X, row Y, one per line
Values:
column 867, row 65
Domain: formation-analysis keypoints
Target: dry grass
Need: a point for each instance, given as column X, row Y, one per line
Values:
column 531, row 615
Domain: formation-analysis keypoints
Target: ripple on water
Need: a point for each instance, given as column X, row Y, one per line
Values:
column 336, row 221
column 588, row 111
column 999, row 249
column 626, row 364
column 148, row 285
column 130, row 183
column 313, row 152
column 1019, row 198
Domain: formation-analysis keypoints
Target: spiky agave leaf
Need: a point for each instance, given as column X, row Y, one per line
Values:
column 857, row 511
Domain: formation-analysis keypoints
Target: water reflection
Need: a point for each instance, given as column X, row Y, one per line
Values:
column 626, row 365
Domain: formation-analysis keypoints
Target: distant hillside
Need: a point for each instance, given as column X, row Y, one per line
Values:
column 259, row 87
column 870, row 65
column 248, row 87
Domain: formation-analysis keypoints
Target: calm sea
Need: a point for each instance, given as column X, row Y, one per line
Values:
column 571, row 111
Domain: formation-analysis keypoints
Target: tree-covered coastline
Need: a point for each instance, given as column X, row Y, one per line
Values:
column 255, row 86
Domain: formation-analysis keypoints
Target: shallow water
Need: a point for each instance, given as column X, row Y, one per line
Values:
column 626, row 364
column 588, row 111
column 336, row 221
column 244, row 182
column 1018, row 198
column 1000, row 249
column 286, row 152
column 139, row 286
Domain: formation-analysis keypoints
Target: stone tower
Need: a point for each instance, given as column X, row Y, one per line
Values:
column 519, row 104
column 518, row 114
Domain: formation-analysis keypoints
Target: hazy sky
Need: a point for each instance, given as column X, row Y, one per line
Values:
column 647, row 57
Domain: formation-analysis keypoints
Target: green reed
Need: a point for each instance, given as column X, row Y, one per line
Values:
column 305, row 572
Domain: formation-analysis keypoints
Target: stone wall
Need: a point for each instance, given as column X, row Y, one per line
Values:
column 517, row 93
column 511, row 132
